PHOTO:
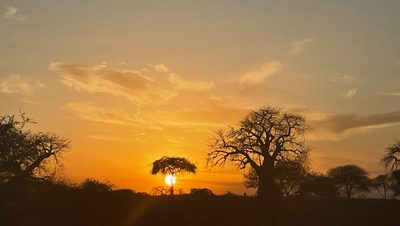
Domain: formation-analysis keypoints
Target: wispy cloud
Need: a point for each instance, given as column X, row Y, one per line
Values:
column 339, row 126
column 159, row 67
column 103, row 137
column 139, row 86
column 351, row 93
column 11, row 13
column 343, row 78
column 16, row 83
column 88, row 111
column 130, row 84
column 189, row 84
column 297, row 47
column 260, row 74
column 396, row 94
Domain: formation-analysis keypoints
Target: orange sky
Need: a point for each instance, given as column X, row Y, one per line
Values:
column 130, row 81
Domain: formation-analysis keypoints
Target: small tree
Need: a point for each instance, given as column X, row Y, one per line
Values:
column 172, row 166
column 318, row 185
column 395, row 182
column 350, row 178
column 94, row 185
column 381, row 184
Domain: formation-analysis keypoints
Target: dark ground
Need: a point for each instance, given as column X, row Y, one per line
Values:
column 114, row 208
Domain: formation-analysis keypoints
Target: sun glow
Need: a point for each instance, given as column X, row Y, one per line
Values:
column 170, row 180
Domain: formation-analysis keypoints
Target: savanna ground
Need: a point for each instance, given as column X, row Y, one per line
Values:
column 62, row 207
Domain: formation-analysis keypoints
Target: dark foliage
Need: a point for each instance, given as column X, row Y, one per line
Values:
column 317, row 185
column 173, row 165
column 60, row 204
column 26, row 154
column 392, row 156
column 350, row 179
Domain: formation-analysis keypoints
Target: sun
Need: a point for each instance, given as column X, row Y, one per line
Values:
column 170, row 180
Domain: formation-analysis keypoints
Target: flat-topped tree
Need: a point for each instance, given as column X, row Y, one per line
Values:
column 172, row 166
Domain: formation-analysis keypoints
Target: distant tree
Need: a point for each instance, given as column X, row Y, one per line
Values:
column 94, row 185
column 261, row 140
column 172, row 166
column 395, row 185
column 381, row 184
column 350, row 178
column 288, row 176
column 392, row 156
column 161, row 190
column 201, row 192
column 26, row 154
column 318, row 185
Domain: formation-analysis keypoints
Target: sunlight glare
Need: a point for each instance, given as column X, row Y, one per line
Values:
column 170, row 180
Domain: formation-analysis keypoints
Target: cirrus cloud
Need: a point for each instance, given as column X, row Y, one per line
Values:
column 16, row 83
column 260, row 74
column 12, row 13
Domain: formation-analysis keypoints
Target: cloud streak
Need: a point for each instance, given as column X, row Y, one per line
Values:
column 12, row 13
column 16, row 83
column 339, row 126
column 260, row 74
column 298, row 46
column 350, row 93
column 130, row 84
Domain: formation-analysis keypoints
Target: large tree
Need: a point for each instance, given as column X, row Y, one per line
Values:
column 26, row 154
column 350, row 179
column 261, row 140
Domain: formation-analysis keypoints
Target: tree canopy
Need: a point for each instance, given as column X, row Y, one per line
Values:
column 392, row 156
column 173, row 165
column 350, row 178
column 27, row 154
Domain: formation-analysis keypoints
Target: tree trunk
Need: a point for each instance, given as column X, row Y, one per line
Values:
column 171, row 191
column 28, row 171
column 267, row 196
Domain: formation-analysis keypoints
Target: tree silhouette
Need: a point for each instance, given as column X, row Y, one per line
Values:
column 173, row 166
column 318, row 185
column 26, row 154
column 395, row 185
column 260, row 141
column 288, row 176
column 350, row 178
column 381, row 184
column 392, row 157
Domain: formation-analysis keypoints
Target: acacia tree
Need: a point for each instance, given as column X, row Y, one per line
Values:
column 260, row 141
column 392, row 156
column 350, row 178
column 26, row 154
column 172, row 166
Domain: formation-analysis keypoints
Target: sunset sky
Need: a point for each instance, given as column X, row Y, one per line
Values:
column 130, row 81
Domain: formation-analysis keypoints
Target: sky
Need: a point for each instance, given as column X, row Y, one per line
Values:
column 128, row 82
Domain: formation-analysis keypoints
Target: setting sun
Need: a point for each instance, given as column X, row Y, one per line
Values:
column 170, row 180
